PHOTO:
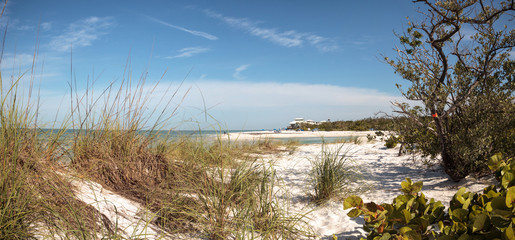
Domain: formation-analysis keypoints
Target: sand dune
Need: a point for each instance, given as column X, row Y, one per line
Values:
column 381, row 169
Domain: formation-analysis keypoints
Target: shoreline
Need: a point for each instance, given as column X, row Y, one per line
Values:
column 257, row 135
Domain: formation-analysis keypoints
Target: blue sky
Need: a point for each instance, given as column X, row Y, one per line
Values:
column 252, row 64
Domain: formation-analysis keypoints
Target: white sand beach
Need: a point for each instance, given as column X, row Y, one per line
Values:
column 381, row 169
column 256, row 135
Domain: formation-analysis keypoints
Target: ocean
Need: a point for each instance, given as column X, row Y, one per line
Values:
column 212, row 134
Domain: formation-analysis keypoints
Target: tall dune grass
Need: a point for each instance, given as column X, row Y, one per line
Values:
column 34, row 199
column 332, row 173
column 213, row 189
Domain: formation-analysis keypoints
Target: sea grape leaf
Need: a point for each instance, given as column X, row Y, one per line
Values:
column 510, row 197
column 352, row 201
column 499, row 203
column 406, row 185
column 507, row 178
column 480, row 222
column 417, row 186
column 495, row 162
column 466, row 204
column 407, row 215
column 371, row 206
column 385, row 236
column 509, row 233
column 354, row 213
column 459, row 215
column 404, row 230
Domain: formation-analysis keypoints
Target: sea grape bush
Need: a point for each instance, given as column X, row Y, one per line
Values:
column 489, row 215
column 410, row 216
column 391, row 142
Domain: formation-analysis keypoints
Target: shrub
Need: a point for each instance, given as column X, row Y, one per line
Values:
column 470, row 216
column 391, row 142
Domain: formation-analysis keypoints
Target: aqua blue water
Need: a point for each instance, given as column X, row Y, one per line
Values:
column 313, row 140
column 211, row 134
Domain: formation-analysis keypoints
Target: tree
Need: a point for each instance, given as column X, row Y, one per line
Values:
column 460, row 70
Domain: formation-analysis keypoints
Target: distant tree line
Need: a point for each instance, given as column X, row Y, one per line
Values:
column 377, row 123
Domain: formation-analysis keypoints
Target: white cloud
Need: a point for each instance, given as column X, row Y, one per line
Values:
column 196, row 33
column 82, row 33
column 289, row 38
column 188, row 52
column 238, row 70
column 11, row 61
column 250, row 105
column 273, row 94
column 45, row 26
column 24, row 27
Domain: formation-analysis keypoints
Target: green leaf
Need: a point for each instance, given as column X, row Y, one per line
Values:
column 495, row 162
column 480, row 222
column 499, row 203
column 417, row 187
column 407, row 215
column 352, row 201
column 404, row 230
column 354, row 213
column 507, row 178
column 386, row 236
column 466, row 204
column 508, row 233
column 406, row 185
column 510, row 197
column 459, row 215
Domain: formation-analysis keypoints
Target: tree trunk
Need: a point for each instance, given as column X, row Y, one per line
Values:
column 454, row 167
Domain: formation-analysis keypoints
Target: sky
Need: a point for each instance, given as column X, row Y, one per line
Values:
column 232, row 64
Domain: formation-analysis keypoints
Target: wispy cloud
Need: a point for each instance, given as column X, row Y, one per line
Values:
column 196, row 33
column 289, row 38
column 274, row 94
column 82, row 33
column 188, row 52
column 45, row 26
column 11, row 61
column 257, row 105
column 237, row 71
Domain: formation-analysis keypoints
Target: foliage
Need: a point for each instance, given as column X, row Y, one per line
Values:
column 470, row 216
column 391, row 142
column 464, row 82
column 408, row 216
column 365, row 124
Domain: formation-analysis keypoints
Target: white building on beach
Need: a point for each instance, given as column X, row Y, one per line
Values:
column 299, row 121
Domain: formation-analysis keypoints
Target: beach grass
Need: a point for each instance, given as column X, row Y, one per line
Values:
column 212, row 188
column 35, row 199
column 332, row 173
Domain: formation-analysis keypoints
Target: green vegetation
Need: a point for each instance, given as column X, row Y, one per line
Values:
column 35, row 200
column 464, row 85
column 332, row 172
column 379, row 123
column 470, row 215
column 212, row 189
column 391, row 142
